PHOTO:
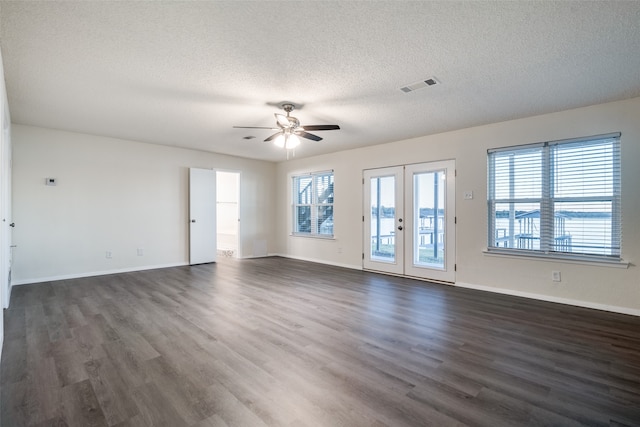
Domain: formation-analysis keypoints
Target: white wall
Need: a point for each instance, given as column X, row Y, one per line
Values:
column 116, row 195
column 587, row 285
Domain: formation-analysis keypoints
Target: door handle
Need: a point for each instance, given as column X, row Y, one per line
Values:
column 400, row 228
column 13, row 224
column 193, row 220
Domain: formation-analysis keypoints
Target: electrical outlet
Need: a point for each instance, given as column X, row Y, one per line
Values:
column 468, row 195
column 140, row 251
column 555, row 276
column 108, row 254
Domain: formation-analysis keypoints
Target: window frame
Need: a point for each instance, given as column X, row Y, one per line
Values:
column 314, row 204
column 547, row 199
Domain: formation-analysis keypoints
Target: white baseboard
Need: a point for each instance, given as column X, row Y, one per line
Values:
column 94, row 273
column 106, row 272
column 318, row 261
column 257, row 256
column 566, row 301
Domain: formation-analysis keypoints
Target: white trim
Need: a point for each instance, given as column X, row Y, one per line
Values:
column 313, row 236
column 549, row 298
column 258, row 256
column 404, row 276
column 95, row 273
column 557, row 257
column 320, row 261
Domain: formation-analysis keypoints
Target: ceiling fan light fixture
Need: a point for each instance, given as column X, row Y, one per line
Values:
column 279, row 141
column 292, row 141
column 287, row 141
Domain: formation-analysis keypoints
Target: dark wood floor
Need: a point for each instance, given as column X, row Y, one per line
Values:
column 287, row 343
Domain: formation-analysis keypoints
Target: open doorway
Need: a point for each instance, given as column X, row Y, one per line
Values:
column 228, row 213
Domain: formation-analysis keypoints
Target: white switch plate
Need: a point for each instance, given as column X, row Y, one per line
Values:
column 555, row 276
column 468, row 195
column 140, row 252
column 108, row 254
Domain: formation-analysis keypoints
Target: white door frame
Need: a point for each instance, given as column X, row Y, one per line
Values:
column 239, row 223
column 403, row 263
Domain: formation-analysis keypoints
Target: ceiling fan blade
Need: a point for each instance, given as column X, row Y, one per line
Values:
column 255, row 127
column 272, row 137
column 282, row 120
column 321, row 127
column 308, row 135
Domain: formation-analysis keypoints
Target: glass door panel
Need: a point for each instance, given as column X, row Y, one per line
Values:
column 428, row 223
column 383, row 218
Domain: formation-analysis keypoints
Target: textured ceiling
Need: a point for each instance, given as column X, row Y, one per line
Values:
column 184, row 73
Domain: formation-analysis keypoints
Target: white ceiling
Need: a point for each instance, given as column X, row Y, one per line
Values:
column 184, row 73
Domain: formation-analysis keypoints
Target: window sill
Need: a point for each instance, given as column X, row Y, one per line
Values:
column 312, row 236
column 570, row 259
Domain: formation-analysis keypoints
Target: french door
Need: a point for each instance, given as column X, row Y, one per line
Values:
column 409, row 220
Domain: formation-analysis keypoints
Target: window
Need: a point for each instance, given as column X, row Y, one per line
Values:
column 313, row 204
column 559, row 198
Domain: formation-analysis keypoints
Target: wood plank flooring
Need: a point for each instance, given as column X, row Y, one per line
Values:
column 280, row 342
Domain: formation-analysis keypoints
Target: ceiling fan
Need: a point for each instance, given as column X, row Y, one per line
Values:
column 289, row 129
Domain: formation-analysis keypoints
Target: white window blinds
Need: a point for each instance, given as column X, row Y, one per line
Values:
column 557, row 197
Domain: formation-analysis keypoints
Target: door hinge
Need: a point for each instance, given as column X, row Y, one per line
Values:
column 362, row 255
column 362, row 181
column 455, row 219
column 455, row 172
column 455, row 267
column 362, row 218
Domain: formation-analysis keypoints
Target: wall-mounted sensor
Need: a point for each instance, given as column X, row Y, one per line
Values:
column 50, row 181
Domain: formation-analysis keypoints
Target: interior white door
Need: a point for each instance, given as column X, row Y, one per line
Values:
column 6, row 226
column 383, row 220
column 202, row 216
column 409, row 220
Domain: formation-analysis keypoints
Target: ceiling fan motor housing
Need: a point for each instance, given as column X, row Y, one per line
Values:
column 293, row 122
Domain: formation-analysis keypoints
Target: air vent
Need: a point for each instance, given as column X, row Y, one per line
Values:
column 431, row 81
